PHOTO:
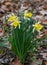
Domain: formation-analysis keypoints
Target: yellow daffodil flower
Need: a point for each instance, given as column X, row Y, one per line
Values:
column 12, row 18
column 37, row 26
column 27, row 14
column 16, row 23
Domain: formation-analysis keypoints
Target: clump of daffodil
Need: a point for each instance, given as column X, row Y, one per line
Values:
column 37, row 26
column 27, row 14
column 12, row 17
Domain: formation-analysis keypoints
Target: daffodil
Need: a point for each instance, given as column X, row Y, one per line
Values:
column 37, row 26
column 27, row 14
column 12, row 18
column 16, row 23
